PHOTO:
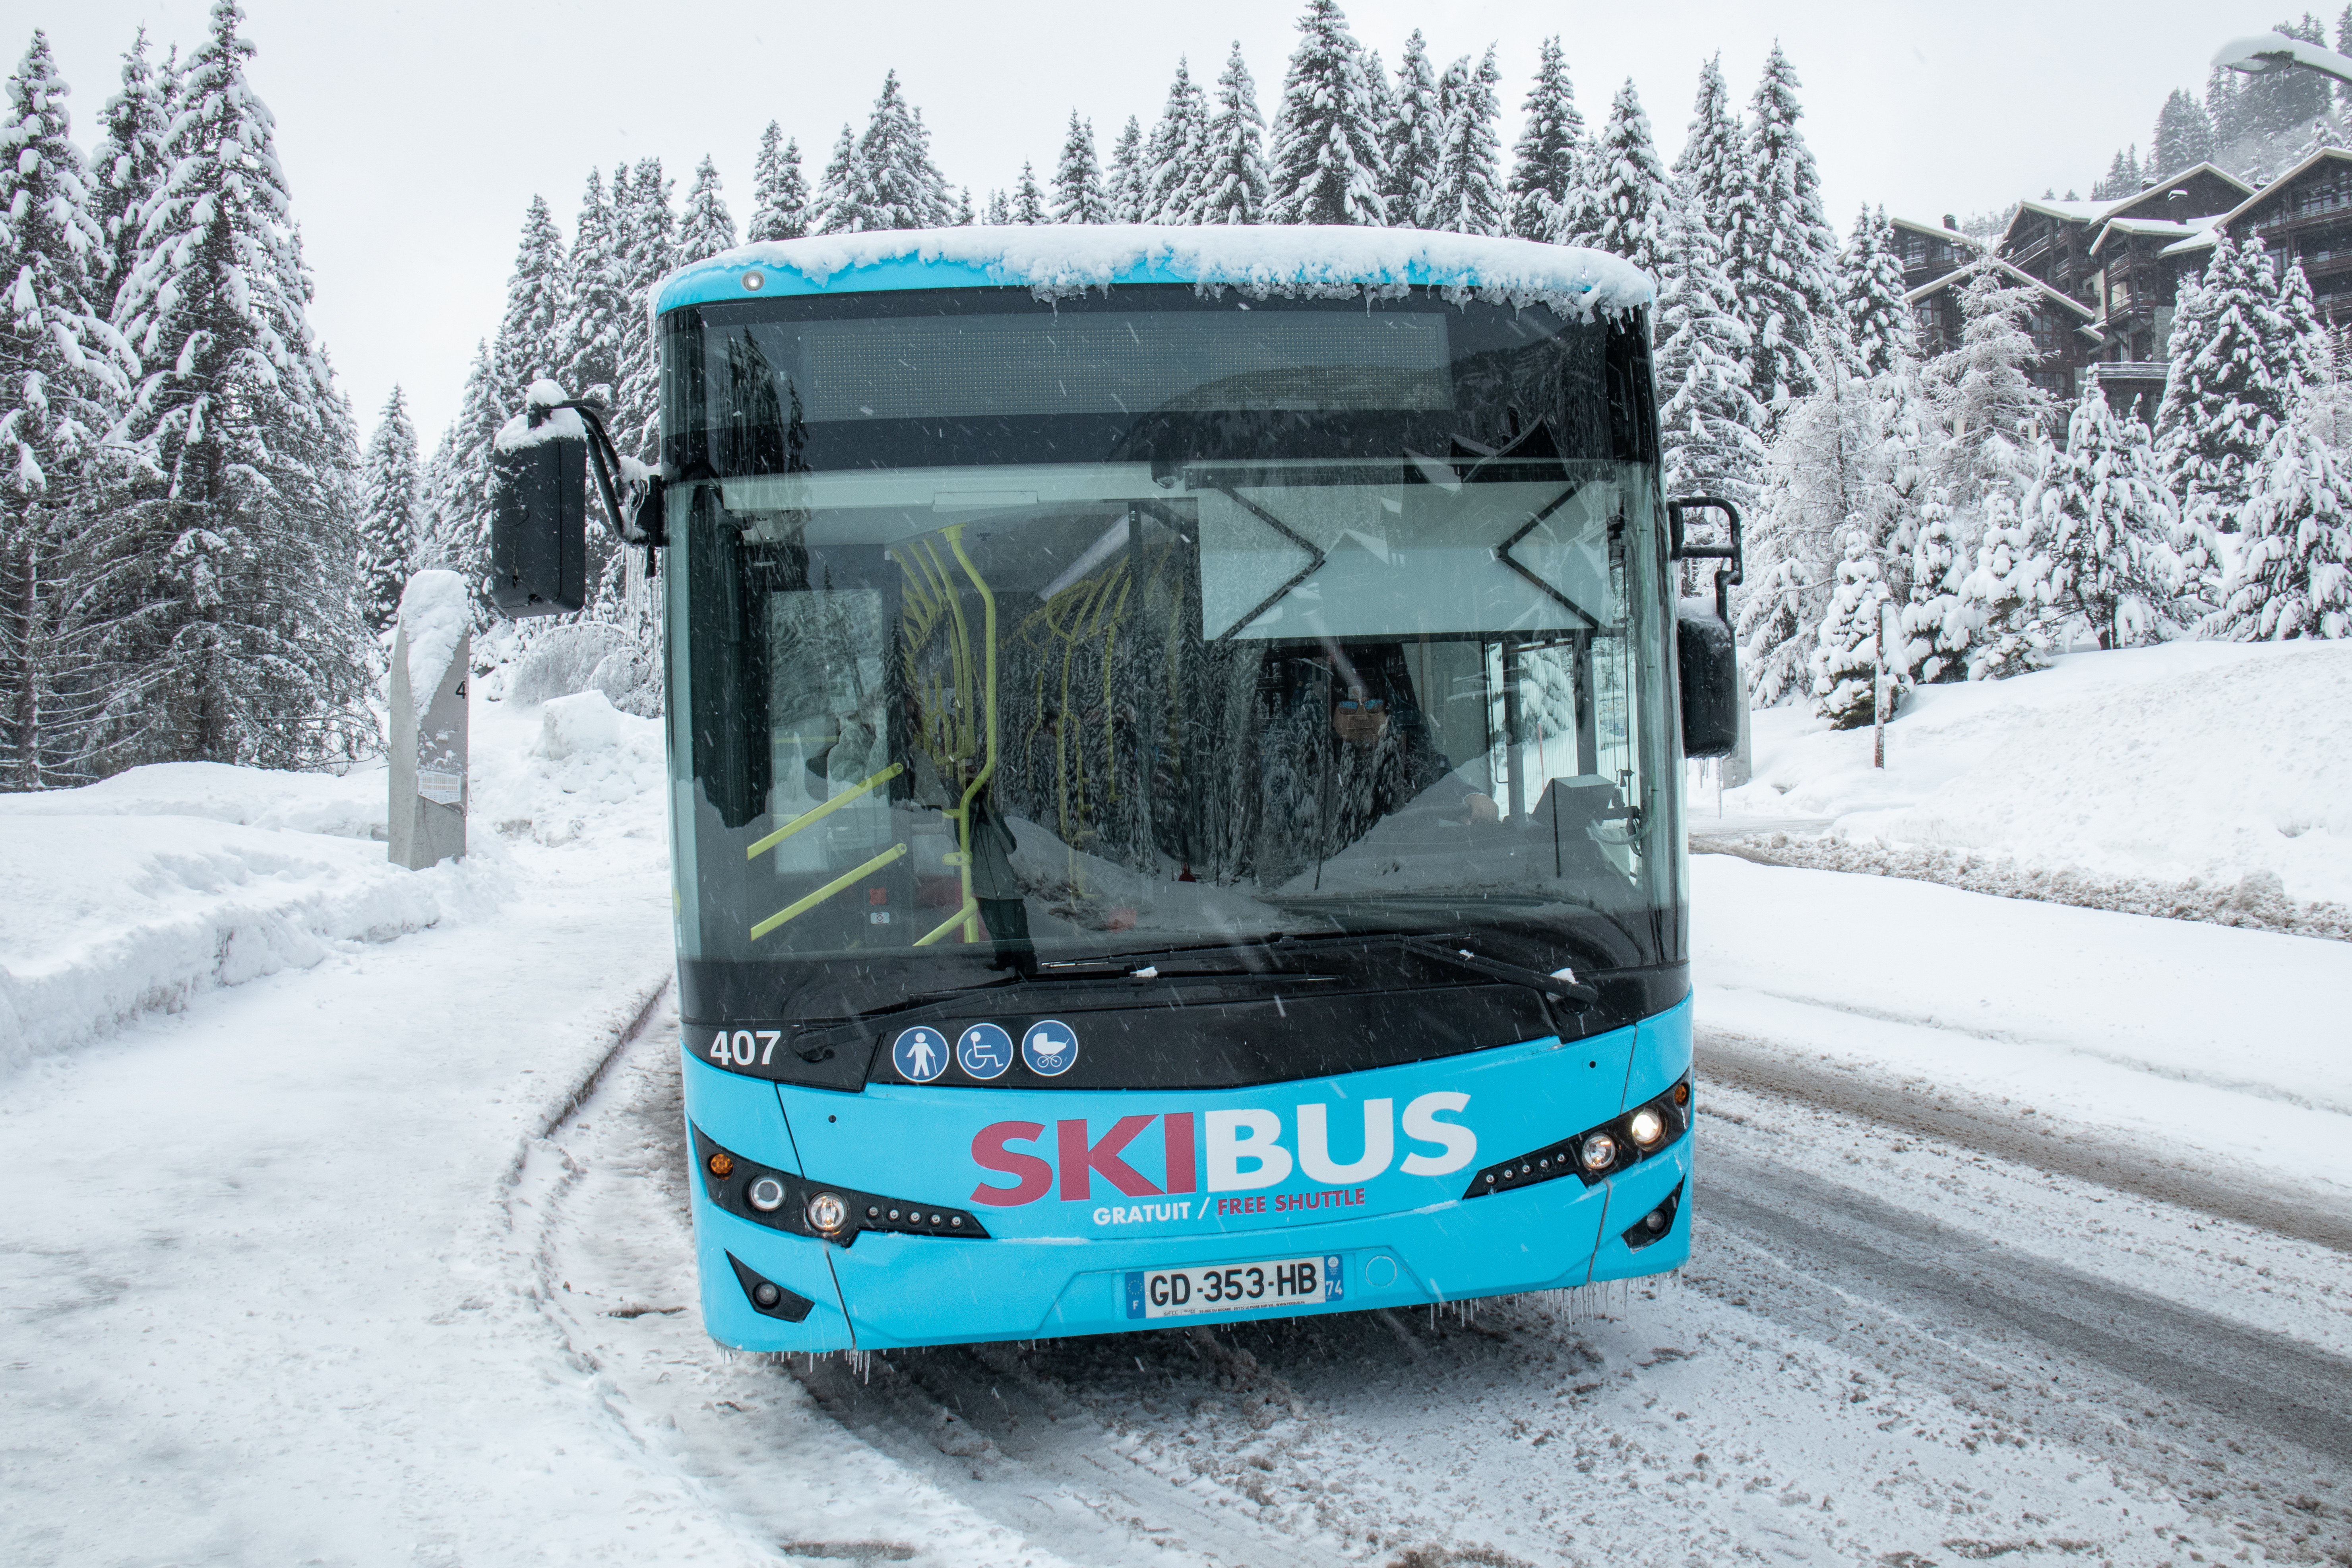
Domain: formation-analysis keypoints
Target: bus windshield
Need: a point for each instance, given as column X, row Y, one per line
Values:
column 1009, row 634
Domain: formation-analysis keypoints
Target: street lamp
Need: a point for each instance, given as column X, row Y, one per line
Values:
column 2267, row 52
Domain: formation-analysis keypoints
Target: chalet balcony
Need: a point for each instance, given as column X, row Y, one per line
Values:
column 2128, row 370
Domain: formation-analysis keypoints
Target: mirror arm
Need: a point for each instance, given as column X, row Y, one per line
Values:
column 605, row 461
column 1735, row 552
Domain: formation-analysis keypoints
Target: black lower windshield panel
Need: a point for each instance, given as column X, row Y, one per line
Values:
column 1243, row 637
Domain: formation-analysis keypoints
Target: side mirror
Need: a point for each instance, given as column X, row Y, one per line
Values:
column 539, row 516
column 1707, row 655
column 1707, row 660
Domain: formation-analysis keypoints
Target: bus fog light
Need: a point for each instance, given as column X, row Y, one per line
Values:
column 766, row 1195
column 765, row 1295
column 1598, row 1152
column 827, row 1213
column 1647, row 1127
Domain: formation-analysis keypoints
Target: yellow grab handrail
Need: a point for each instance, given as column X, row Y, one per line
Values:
column 828, row 809
column 801, row 907
column 970, row 908
column 962, row 812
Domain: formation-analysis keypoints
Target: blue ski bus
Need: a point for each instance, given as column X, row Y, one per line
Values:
column 1175, row 744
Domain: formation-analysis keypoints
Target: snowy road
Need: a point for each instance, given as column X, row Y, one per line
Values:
column 338, row 1265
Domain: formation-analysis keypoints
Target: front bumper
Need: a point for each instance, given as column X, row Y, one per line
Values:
column 1057, row 1263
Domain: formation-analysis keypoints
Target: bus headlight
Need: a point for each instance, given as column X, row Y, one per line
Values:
column 1598, row 1152
column 766, row 1195
column 827, row 1213
column 1647, row 1127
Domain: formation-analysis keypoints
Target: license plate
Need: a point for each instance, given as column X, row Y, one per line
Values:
column 1233, row 1288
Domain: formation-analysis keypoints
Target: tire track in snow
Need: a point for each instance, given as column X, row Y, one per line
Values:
column 1941, row 1113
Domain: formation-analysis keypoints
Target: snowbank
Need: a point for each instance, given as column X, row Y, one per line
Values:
column 1059, row 260
column 137, row 893
column 2218, row 764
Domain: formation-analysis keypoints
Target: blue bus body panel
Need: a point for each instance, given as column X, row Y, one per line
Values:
column 1106, row 1186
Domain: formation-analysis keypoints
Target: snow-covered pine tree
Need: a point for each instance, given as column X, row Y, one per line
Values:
column 1028, row 201
column 1123, row 179
column 2295, row 577
column 457, row 534
column 2109, row 526
column 964, row 216
column 1911, row 496
column 1937, row 628
column 1327, row 165
column 125, row 168
column 1846, row 686
column 1782, row 254
column 1710, row 420
column 1235, row 189
column 64, row 370
column 1712, row 168
column 1411, row 137
column 706, row 227
column 2221, row 406
column 250, row 650
column 999, row 210
column 898, row 184
column 1548, row 160
column 2297, row 347
column 2123, row 176
column 1468, row 198
column 834, row 209
column 1633, row 190
column 1870, row 271
column 530, row 334
column 647, row 231
column 2184, row 136
column 1774, row 616
column 1175, row 158
column 1984, row 397
column 2006, row 596
column 779, row 189
column 1077, row 178
column 1821, row 473
column 588, row 345
column 391, row 486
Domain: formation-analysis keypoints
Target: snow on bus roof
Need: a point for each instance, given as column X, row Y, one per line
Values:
column 1060, row 260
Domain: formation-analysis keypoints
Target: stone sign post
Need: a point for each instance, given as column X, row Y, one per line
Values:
column 429, row 661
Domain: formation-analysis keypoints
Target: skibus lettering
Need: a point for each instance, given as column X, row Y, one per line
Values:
column 1245, row 1149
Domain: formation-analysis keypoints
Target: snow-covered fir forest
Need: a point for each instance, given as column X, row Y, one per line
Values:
column 200, row 556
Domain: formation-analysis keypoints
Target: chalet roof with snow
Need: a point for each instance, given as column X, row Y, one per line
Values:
column 1961, row 275
column 2257, row 200
column 2203, row 188
column 1059, row 260
column 2153, row 228
column 1939, row 231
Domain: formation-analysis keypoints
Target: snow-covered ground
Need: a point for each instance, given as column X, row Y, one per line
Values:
column 2204, row 760
column 376, row 1252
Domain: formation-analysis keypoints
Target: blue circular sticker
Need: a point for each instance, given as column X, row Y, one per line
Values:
column 1049, row 1047
column 920, row 1055
column 984, row 1050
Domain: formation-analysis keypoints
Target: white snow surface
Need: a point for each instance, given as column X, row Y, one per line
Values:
column 2175, row 1034
column 433, row 613
column 139, row 893
column 1309, row 259
column 2192, row 760
column 399, row 1273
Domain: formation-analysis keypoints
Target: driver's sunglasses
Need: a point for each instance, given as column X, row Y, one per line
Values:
column 1369, row 705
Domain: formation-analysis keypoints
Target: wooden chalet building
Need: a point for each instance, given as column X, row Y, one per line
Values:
column 2059, row 324
column 1930, row 251
column 2117, row 261
column 2306, row 216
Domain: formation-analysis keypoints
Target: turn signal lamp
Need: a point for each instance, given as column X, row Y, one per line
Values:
column 722, row 1165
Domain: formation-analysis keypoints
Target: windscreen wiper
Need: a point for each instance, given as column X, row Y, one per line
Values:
column 1564, row 985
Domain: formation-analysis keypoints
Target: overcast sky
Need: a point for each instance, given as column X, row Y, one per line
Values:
column 414, row 134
